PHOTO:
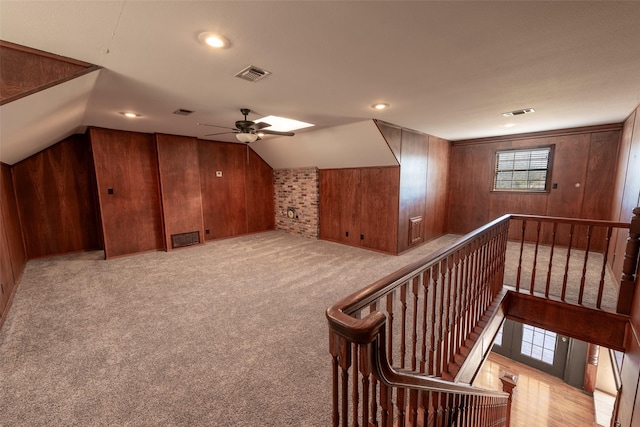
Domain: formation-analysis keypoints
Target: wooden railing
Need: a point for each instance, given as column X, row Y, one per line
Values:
column 397, row 345
column 393, row 341
column 564, row 259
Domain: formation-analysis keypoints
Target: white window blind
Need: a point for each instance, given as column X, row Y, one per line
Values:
column 522, row 170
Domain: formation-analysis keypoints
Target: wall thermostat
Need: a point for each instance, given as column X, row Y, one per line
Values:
column 291, row 212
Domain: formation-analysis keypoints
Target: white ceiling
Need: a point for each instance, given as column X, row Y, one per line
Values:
column 449, row 69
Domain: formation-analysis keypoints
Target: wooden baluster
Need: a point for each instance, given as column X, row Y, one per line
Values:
column 454, row 408
column 462, row 322
column 413, row 406
column 403, row 327
column 475, row 414
column 355, row 398
column 414, row 332
column 426, row 282
column 386, row 405
column 524, row 229
column 365, row 371
column 432, row 352
column 344, row 349
column 553, row 245
column 604, row 266
column 437, row 410
column 441, row 330
column 472, row 285
column 535, row 259
column 483, row 281
column 373, row 419
column 584, row 267
column 333, row 349
column 566, row 267
column 447, row 319
column 629, row 265
column 467, row 293
column 400, row 405
column 427, row 414
column 454, row 307
column 461, row 300
column 390, row 327
column 445, row 409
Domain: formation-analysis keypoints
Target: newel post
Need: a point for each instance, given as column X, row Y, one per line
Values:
column 509, row 382
column 630, row 265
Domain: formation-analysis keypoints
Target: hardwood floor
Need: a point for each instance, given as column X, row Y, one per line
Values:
column 539, row 399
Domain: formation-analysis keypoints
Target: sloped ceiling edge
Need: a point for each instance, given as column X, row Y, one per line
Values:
column 35, row 122
column 353, row 145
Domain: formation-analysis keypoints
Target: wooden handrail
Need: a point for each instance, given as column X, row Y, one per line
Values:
column 367, row 384
column 427, row 311
column 397, row 378
column 575, row 221
column 363, row 297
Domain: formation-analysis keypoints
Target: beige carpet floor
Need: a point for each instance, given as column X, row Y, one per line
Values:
column 231, row 333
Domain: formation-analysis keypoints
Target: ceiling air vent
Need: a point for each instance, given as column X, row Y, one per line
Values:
column 519, row 112
column 182, row 112
column 252, row 74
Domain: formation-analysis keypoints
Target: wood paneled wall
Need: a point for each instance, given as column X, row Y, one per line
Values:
column 626, row 193
column 424, row 169
column 224, row 203
column 25, row 70
column 626, row 198
column 128, row 191
column 583, row 171
column 180, row 186
column 359, row 207
column 415, row 194
column 435, row 220
column 260, row 202
column 56, row 199
column 413, row 188
column 12, row 253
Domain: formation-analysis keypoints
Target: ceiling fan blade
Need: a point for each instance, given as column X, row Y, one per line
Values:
column 220, row 133
column 260, row 125
column 215, row 126
column 274, row 132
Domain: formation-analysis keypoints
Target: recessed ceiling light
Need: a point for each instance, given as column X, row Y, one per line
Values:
column 130, row 115
column 380, row 106
column 282, row 124
column 214, row 40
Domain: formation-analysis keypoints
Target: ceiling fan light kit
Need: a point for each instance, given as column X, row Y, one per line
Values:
column 246, row 137
column 248, row 131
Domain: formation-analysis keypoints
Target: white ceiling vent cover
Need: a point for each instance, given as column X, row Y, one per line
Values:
column 252, row 74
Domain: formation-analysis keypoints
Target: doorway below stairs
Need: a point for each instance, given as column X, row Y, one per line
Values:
column 539, row 399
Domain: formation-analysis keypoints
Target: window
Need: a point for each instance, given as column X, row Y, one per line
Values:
column 538, row 344
column 522, row 170
column 498, row 340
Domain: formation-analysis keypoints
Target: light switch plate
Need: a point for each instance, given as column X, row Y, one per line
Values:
column 218, row 174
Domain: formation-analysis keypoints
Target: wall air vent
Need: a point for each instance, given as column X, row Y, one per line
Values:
column 519, row 112
column 182, row 112
column 185, row 239
column 252, row 74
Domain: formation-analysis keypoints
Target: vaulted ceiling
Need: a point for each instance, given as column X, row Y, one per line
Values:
column 449, row 69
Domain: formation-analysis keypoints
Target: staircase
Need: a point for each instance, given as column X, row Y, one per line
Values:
column 406, row 348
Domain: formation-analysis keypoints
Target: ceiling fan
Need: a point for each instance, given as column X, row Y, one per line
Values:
column 247, row 131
